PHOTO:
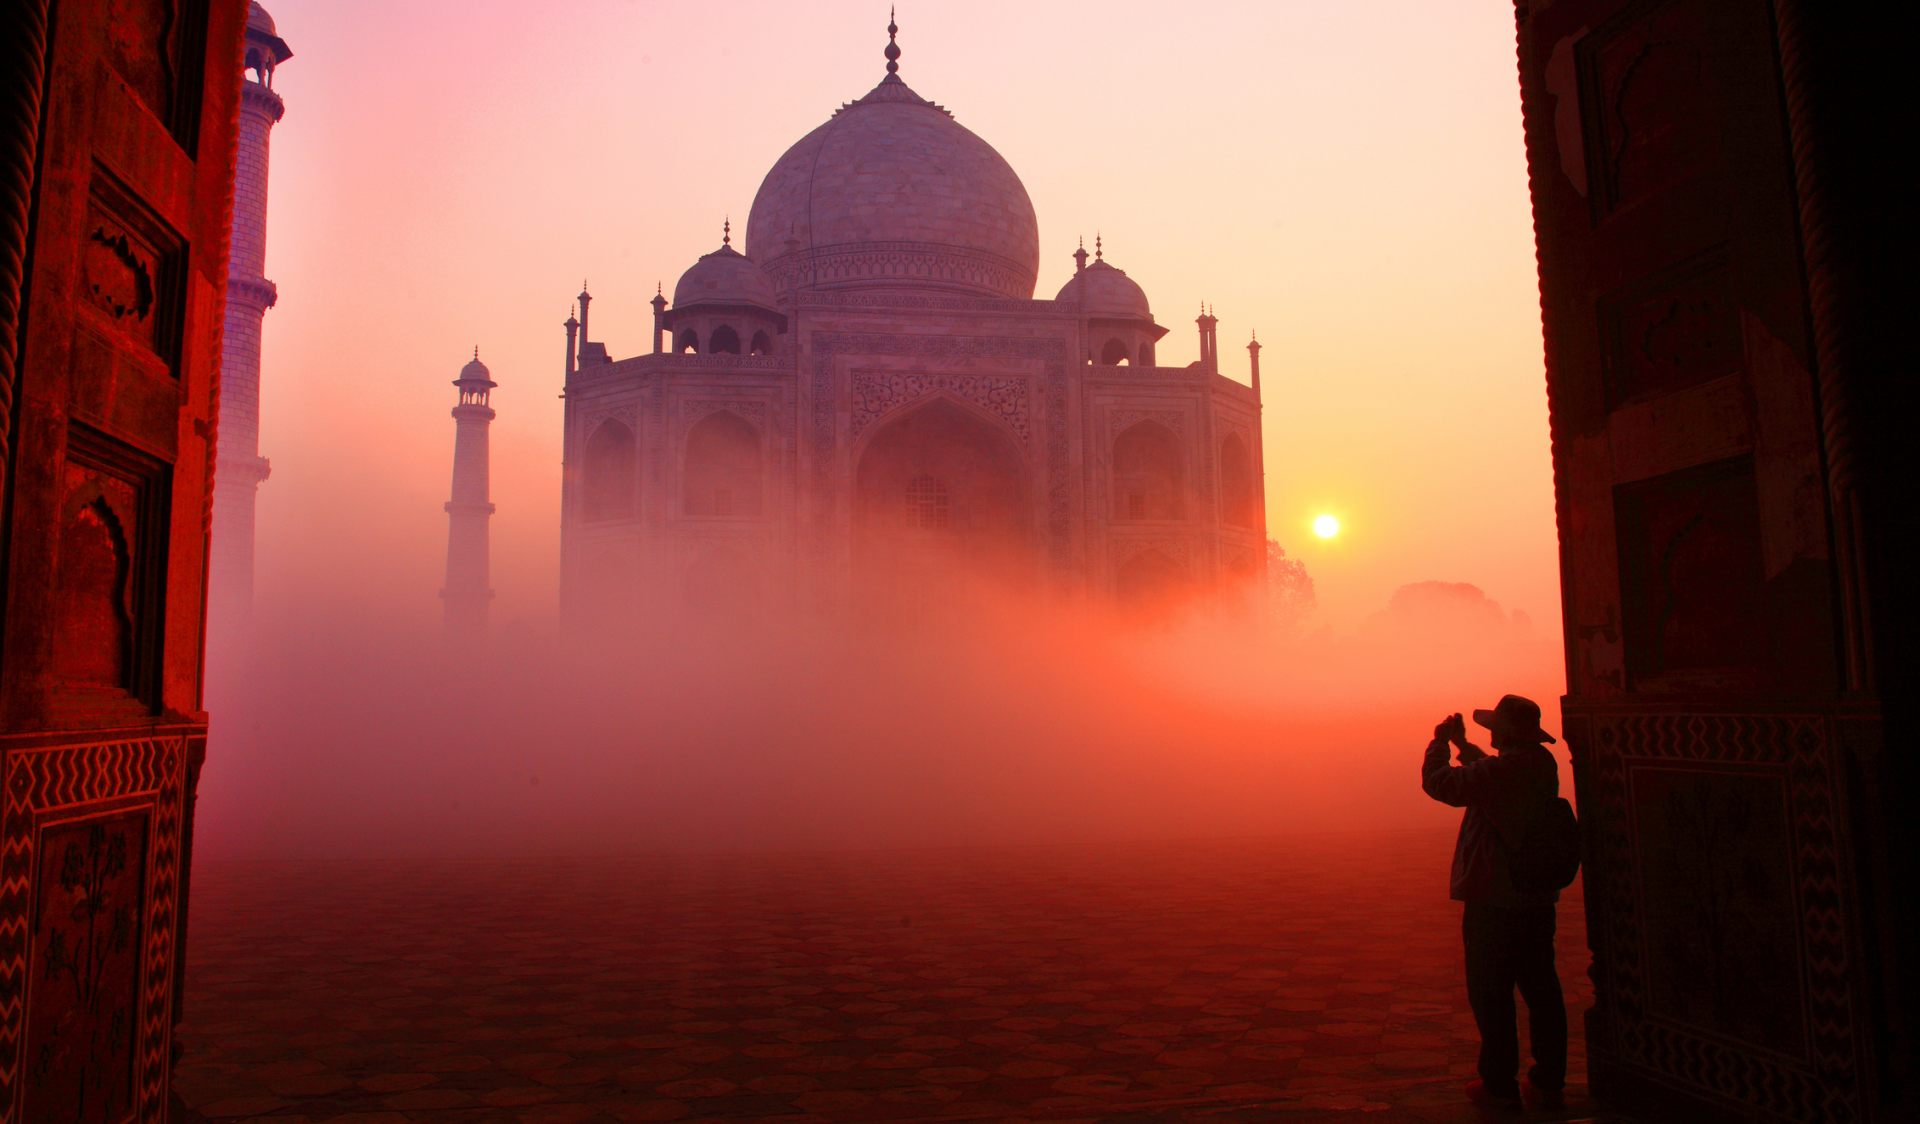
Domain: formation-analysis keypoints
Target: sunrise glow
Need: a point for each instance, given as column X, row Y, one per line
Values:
column 1326, row 526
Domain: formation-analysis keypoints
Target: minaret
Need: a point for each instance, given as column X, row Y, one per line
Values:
column 1209, row 351
column 659, row 303
column 467, row 592
column 239, row 468
column 1253, row 360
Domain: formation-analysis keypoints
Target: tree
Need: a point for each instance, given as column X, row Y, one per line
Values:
column 1289, row 587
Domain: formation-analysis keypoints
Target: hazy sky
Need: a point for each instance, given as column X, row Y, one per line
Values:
column 1346, row 178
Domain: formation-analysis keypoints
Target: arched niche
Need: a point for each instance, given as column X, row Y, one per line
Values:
column 723, row 474
column 1149, row 474
column 92, row 625
column 941, row 492
column 688, row 342
column 724, row 341
column 606, row 482
column 762, row 344
column 1115, row 353
column 1237, row 493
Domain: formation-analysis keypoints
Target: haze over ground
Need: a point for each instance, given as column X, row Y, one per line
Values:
column 1347, row 180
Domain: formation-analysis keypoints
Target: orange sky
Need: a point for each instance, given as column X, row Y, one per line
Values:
column 1348, row 179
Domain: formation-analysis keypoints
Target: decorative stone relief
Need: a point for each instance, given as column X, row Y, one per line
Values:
column 880, row 393
column 623, row 414
column 1675, row 329
column 923, row 261
column 131, row 267
column 1126, row 548
column 693, row 411
column 1119, row 421
column 1735, row 789
column 103, row 926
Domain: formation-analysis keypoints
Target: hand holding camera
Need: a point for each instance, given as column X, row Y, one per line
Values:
column 1453, row 730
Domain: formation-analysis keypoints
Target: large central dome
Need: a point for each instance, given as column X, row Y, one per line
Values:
column 892, row 192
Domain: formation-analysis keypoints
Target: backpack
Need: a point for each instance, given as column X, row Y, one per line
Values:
column 1548, row 855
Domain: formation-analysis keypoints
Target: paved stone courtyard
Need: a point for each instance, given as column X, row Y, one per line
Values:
column 1284, row 978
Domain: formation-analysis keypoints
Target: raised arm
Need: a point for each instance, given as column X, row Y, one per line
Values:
column 1459, row 785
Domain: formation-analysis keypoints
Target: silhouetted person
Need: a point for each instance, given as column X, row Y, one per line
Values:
column 1508, row 933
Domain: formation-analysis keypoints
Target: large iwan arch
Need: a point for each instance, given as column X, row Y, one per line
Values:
column 941, row 485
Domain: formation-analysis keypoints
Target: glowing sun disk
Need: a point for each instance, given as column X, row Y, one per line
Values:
column 1326, row 526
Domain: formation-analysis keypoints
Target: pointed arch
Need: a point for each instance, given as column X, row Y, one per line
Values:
column 688, row 342
column 724, row 341
column 941, row 490
column 762, row 344
column 1237, row 493
column 723, row 474
column 1149, row 473
column 92, row 625
column 606, row 483
column 1115, row 353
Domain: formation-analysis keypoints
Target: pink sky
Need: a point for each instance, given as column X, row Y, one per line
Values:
column 1348, row 179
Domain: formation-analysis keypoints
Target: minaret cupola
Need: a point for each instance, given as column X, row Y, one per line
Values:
column 724, row 305
column 1120, row 327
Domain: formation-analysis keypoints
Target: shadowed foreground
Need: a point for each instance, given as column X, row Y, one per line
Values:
column 1239, row 980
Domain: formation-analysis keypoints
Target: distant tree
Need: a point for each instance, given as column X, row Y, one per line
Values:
column 1289, row 587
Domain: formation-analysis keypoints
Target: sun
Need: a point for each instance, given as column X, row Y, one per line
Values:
column 1326, row 526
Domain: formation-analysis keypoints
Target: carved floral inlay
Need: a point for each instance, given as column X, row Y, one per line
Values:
column 119, row 276
column 876, row 395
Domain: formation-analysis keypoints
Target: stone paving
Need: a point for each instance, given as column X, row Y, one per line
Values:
column 1280, row 978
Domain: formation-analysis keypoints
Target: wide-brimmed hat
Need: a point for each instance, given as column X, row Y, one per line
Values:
column 1515, row 715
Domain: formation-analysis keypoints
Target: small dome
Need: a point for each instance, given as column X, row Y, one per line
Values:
column 475, row 370
column 725, row 277
column 259, row 20
column 1110, row 293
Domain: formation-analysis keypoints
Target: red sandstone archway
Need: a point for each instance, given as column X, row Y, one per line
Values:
column 941, row 495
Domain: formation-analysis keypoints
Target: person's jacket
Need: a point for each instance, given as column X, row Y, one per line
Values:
column 1503, row 795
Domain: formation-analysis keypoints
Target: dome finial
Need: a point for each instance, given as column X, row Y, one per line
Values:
column 1099, row 252
column 893, row 49
column 476, row 351
column 726, row 232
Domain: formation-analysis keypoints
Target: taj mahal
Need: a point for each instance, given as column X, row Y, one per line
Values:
column 868, row 396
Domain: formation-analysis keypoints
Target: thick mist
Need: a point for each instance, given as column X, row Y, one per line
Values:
column 966, row 718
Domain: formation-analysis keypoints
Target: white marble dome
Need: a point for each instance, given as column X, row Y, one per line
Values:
column 725, row 277
column 1110, row 294
column 893, row 192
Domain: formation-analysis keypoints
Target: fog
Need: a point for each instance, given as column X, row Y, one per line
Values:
column 965, row 718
